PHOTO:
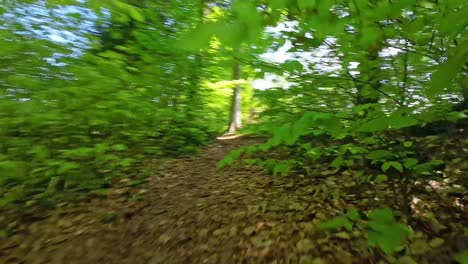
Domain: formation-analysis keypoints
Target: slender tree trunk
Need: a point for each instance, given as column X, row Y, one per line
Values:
column 369, row 69
column 404, row 81
column 369, row 66
column 236, row 112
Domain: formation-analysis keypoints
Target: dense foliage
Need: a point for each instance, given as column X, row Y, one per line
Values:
column 377, row 72
column 90, row 89
column 85, row 96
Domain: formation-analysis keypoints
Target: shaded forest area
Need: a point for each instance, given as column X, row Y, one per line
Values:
column 262, row 131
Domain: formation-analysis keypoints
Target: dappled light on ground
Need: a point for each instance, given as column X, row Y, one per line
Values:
column 230, row 136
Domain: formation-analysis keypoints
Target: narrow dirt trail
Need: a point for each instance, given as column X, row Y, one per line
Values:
column 190, row 213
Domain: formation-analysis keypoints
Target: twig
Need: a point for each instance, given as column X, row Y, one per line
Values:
column 376, row 88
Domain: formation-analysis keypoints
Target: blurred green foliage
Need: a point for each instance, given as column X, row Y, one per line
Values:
column 89, row 88
column 80, row 109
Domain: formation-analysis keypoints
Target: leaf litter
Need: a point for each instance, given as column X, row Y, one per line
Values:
column 189, row 212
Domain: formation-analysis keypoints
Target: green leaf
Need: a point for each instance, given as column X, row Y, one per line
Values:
column 292, row 66
column 395, row 164
column 398, row 122
column 410, row 162
column 381, row 178
column 385, row 232
column 408, row 144
column 282, row 134
column 337, row 162
column 374, row 125
column 436, row 162
column 448, row 70
column 336, row 223
column 119, row 147
column 300, row 128
column 199, row 38
column 353, row 214
column 231, row 34
column 135, row 14
column 126, row 162
column 224, row 162
column 462, row 257
column 384, row 215
column 67, row 166
column 83, row 152
column 379, row 154
column 7, row 200
column 388, row 238
column 12, row 170
column 282, row 168
column 314, row 153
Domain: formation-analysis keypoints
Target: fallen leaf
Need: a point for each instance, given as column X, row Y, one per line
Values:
column 306, row 260
column 164, row 238
column 419, row 247
column 436, row 242
column 406, row 260
column 319, row 261
column 343, row 235
column 219, row 232
column 304, row 245
column 263, row 225
column 203, row 233
column 3, row 234
column 249, row 230
column 233, row 231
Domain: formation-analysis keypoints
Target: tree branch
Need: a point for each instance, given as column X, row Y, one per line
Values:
column 376, row 88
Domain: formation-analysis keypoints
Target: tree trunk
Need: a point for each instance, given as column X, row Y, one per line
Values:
column 369, row 66
column 369, row 69
column 236, row 112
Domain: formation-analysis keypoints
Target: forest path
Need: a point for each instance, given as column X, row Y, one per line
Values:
column 189, row 213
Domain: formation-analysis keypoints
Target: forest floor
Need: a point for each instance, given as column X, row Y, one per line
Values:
column 189, row 212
